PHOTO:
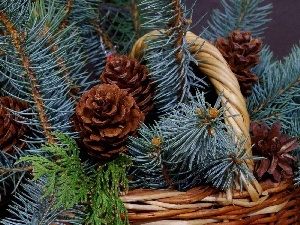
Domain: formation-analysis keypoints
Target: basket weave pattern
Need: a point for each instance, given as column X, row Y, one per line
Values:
column 261, row 203
column 278, row 204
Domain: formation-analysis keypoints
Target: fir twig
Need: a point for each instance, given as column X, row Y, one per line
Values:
column 29, row 74
column 238, row 15
column 192, row 138
column 147, row 152
column 38, row 12
column 174, row 77
column 117, row 26
column 275, row 96
column 16, row 169
column 229, row 163
column 41, row 210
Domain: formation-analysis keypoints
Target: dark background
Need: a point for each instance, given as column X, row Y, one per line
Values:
column 282, row 33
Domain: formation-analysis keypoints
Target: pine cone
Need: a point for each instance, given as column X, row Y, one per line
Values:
column 11, row 131
column 275, row 147
column 104, row 117
column 129, row 74
column 240, row 51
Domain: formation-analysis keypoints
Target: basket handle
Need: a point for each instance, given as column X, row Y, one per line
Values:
column 214, row 66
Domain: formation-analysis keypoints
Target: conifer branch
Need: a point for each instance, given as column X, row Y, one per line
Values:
column 188, row 145
column 32, row 209
column 82, row 20
column 105, row 204
column 73, row 89
column 177, row 26
column 277, row 95
column 30, row 75
column 241, row 15
column 147, row 155
column 274, row 97
column 167, row 42
column 178, row 29
column 229, row 164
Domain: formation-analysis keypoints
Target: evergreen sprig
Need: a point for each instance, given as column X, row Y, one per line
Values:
column 105, row 206
column 275, row 96
column 117, row 25
column 241, row 15
column 167, row 54
column 147, row 152
column 71, row 182
column 30, row 208
column 82, row 17
column 63, row 173
column 191, row 139
column 11, row 176
column 33, row 68
column 228, row 163
column 202, row 124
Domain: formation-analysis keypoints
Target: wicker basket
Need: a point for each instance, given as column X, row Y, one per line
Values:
column 261, row 203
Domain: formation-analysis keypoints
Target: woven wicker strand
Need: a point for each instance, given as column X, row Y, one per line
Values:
column 261, row 203
column 280, row 204
column 212, row 63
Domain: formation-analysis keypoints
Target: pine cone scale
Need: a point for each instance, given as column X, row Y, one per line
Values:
column 275, row 147
column 262, row 167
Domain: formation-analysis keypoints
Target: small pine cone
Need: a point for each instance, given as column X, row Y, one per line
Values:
column 241, row 53
column 104, row 117
column 275, row 147
column 11, row 131
column 129, row 74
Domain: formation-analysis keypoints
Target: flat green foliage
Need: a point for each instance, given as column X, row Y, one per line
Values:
column 65, row 175
column 71, row 182
column 108, row 181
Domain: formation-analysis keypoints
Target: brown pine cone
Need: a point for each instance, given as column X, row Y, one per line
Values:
column 275, row 147
column 241, row 53
column 129, row 74
column 104, row 117
column 11, row 131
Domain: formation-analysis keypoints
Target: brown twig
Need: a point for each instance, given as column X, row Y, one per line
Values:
column 68, row 10
column 29, row 75
column 178, row 23
column 16, row 169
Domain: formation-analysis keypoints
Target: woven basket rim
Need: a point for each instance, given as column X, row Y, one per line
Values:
column 279, row 202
